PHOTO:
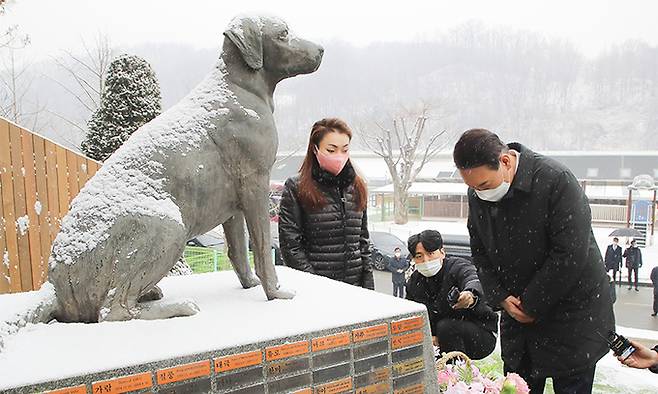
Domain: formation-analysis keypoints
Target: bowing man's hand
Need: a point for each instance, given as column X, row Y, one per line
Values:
column 513, row 307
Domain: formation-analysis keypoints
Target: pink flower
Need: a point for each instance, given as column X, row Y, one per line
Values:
column 514, row 384
column 459, row 388
column 446, row 376
column 490, row 386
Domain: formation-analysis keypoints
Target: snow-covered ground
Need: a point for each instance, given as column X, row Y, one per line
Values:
column 230, row 316
column 649, row 253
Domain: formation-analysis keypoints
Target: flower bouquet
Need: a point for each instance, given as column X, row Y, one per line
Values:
column 462, row 377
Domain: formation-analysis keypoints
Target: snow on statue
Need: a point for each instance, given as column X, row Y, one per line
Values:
column 204, row 162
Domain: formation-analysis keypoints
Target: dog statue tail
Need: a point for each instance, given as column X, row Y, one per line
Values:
column 19, row 310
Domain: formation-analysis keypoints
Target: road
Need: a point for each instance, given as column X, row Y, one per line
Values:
column 632, row 309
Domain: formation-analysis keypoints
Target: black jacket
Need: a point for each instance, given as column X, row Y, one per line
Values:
column 613, row 258
column 537, row 244
column 332, row 242
column 433, row 293
column 654, row 277
column 633, row 257
column 395, row 264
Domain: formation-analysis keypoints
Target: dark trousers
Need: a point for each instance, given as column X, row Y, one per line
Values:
column 614, row 275
column 655, row 300
column 465, row 336
column 632, row 271
column 398, row 289
column 580, row 383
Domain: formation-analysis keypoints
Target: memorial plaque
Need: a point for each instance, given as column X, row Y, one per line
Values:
column 332, row 373
column 407, row 367
column 332, row 358
column 242, row 360
column 257, row 389
column 365, row 334
column 371, row 378
column 415, row 389
column 379, row 388
column 406, row 340
column 287, row 367
column 408, row 380
column 407, row 324
column 240, row 378
column 193, row 386
column 290, row 383
column 406, row 354
column 341, row 386
column 82, row 389
column 370, row 364
column 330, row 342
column 123, row 384
column 370, row 349
column 284, row 351
column 183, row 372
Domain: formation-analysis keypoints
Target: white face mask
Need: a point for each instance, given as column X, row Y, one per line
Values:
column 429, row 268
column 496, row 194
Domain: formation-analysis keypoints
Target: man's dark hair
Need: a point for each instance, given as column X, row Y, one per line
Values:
column 431, row 240
column 615, row 239
column 397, row 249
column 632, row 241
column 478, row 147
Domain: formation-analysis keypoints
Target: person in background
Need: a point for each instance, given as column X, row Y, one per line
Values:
column 613, row 291
column 654, row 281
column 633, row 263
column 460, row 318
column 398, row 265
column 613, row 259
column 323, row 223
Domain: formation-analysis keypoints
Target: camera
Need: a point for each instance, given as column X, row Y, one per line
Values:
column 619, row 345
column 453, row 296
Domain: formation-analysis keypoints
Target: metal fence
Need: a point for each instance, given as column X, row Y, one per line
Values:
column 203, row 260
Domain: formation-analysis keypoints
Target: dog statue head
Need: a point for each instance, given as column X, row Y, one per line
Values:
column 266, row 43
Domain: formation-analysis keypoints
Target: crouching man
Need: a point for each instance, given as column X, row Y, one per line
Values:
column 449, row 287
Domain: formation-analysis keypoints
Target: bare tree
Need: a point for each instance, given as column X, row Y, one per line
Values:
column 405, row 153
column 86, row 76
column 16, row 79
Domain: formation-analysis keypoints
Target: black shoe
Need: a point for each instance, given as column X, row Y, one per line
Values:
column 636, row 289
column 629, row 288
column 653, row 314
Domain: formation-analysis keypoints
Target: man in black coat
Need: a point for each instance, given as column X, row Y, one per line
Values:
column 613, row 259
column 398, row 265
column 633, row 263
column 460, row 318
column 533, row 245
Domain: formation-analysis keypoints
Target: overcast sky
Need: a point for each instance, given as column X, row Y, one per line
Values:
column 592, row 25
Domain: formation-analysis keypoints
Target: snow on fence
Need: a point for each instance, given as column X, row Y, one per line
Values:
column 38, row 180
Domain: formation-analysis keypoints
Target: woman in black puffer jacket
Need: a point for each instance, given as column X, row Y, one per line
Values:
column 323, row 225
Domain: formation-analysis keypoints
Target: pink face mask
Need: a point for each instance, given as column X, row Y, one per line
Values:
column 332, row 163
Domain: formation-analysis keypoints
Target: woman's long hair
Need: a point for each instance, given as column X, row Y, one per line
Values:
column 310, row 195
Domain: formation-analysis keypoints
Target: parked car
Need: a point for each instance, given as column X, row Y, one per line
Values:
column 457, row 245
column 211, row 239
column 383, row 248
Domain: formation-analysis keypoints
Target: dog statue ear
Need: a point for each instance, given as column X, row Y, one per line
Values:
column 247, row 35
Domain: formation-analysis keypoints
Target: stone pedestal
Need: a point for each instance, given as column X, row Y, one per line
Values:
column 332, row 338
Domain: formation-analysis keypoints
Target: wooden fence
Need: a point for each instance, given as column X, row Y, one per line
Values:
column 38, row 180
